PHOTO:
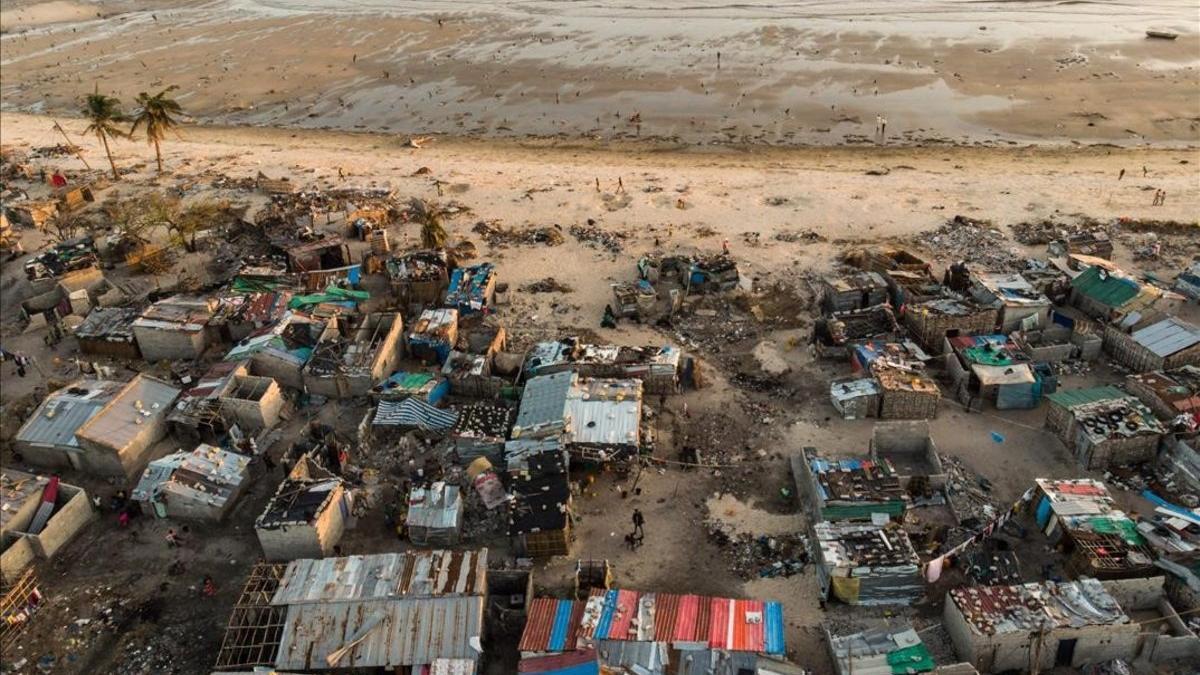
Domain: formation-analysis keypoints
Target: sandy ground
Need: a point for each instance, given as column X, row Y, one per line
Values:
column 657, row 197
column 797, row 73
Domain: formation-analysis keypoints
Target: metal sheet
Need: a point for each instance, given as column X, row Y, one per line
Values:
column 384, row 575
column 410, row 632
column 1167, row 337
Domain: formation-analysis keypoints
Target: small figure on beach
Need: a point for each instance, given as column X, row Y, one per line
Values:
column 1121, row 175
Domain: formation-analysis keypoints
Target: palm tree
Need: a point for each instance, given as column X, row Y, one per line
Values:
column 104, row 112
column 155, row 114
column 433, row 234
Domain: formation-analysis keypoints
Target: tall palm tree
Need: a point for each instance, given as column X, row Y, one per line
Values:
column 155, row 113
column 104, row 113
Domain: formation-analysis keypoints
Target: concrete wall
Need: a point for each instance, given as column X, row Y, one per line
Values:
column 100, row 459
column 189, row 509
column 1016, row 651
column 255, row 414
column 158, row 344
column 286, row 373
column 314, row 540
column 1011, row 316
column 1187, row 357
column 896, row 439
column 74, row 513
column 46, row 456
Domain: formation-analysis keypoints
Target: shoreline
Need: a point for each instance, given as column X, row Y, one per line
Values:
column 551, row 70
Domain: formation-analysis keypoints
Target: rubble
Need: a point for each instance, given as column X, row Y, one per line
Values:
column 964, row 238
column 497, row 236
column 597, row 238
column 547, row 285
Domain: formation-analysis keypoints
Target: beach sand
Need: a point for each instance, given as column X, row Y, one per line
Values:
column 940, row 71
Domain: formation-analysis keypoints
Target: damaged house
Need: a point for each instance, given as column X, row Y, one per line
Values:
column 108, row 332
column 433, row 336
column 224, row 396
column 991, row 368
column 596, row 419
column 867, row 564
column 395, row 612
column 1110, row 294
column 848, row 489
column 481, row 431
column 281, row 352
column 539, row 513
column 879, row 651
column 839, row 333
column 307, row 515
column 891, row 384
column 1019, row 305
column 99, row 427
column 175, row 328
column 327, row 253
column 932, row 322
column 1104, row 426
column 471, row 289
column 1100, row 540
column 854, row 291
column 203, row 484
column 657, row 367
column 435, row 515
column 1173, row 395
column 239, row 316
column 1044, row 625
column 419, row 277
column 348, row 362
column 38, row 516
column 1153, row 345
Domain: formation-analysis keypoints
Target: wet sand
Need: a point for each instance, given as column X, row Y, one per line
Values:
column 802, row 72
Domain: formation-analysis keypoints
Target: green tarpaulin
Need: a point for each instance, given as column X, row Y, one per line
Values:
column 915, row 659
column 987, row 356
column 1124, row 528
column 331, row 294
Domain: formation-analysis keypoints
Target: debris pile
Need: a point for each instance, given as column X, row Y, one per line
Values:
column 964, row 238
column 498, row 236
column 756, row 556
column 547, row 285
column 598, row 238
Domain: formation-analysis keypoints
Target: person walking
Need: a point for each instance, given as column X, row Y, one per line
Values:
column 725, row 246
column 1121, row 175
column 639, row 523
column 878, row 125
column 173, row 540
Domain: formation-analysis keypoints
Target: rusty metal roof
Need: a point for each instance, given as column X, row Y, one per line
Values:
column 390, row 633
column 413, row 574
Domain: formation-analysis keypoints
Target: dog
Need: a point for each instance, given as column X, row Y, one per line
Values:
column 633, row 540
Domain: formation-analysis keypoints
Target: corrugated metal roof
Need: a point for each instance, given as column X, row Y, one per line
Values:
column 582, row 662
column 1069, row 398
column 719, row 623
column 543, row 403
column 604, row 412
column 991, row 610
column 438, row 506
column 56, row 420
column 412, row 412
column 1168, row 336
column 394, row 632
column 638, row 656
column 551, row 625
column 143, row 399
column 384, row 575
column 1108, row 288
column 108, row 323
